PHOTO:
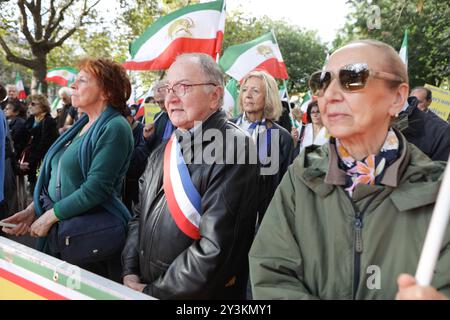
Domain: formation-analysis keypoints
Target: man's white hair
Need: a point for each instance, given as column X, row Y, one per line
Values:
column 11, row 86
column 65, row 91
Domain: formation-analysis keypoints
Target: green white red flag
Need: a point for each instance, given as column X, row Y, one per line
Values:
column 21, row 94
column 404, row 49
column 230, row 98
column 197, row 28
column 63, row 76
column 261, row 53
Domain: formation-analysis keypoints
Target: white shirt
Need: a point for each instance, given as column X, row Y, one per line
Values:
column 320, row 139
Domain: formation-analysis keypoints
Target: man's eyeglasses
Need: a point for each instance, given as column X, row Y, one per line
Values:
column 180, row 89
column 352, row 78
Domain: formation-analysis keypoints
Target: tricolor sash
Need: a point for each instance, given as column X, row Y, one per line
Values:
column 182, row 197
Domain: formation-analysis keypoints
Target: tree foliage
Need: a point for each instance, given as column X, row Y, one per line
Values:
column 30, row 30
column 301, row 49
column 429, row 33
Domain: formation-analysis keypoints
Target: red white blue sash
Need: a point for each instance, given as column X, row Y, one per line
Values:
column 182, row 197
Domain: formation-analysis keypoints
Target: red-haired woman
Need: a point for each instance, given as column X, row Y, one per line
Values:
column 84, row 169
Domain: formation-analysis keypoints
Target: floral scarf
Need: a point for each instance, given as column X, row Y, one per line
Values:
column 370, row 170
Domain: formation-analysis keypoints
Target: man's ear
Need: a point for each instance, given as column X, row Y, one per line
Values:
column 216, row 94
column 399, row 100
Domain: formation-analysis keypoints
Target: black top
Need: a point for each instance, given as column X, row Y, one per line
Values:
column 42, row 137
column 427, row 131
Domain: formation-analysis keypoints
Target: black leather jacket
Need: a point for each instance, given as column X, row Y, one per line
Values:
column 175, row 266
column 426, row 131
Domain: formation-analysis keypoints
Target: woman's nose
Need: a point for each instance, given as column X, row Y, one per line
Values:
column 333, row 91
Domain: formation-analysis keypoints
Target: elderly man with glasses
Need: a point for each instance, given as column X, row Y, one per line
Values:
column 193, row 227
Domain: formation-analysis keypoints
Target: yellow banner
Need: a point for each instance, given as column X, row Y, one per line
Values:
column 150, row 110
column 441, row 101
column 12, row 291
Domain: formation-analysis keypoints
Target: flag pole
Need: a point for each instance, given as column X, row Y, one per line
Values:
column 291, row 116
column 435, row 233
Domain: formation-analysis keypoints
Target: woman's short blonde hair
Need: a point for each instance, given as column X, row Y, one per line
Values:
column 272, row 107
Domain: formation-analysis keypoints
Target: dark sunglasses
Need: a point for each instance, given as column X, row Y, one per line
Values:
column 352, row 78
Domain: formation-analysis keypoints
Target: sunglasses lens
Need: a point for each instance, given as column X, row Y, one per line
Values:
column 314, row 81
column 354, row 77
column 319, row 82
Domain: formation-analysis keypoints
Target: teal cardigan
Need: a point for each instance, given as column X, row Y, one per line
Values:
column 85, row 153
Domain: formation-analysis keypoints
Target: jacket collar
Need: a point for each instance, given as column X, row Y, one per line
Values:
column 336, row 176
column 191, row 142
column 215, row 120
column 412, row 181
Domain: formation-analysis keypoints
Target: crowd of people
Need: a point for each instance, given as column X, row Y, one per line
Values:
column 195, row 205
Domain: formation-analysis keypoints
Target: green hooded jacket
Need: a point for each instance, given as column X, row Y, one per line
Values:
column 315, row 242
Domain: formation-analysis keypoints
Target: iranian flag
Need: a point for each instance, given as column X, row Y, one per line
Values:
column 63, row 76
column 197, row 28
column 21, row 94
column 231, row 94
column 262, row 53
column 404, row 49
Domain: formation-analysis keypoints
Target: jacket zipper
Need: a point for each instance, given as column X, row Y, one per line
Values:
column 358, row 225
column 358, row 248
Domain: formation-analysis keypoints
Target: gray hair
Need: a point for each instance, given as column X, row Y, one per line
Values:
column 65, row 91
column 158, row 84
column 209, row 68
column 11, row 86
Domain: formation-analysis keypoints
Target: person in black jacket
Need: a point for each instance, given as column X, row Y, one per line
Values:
column 425, row 130
column 161, row 129
column 2, row 92
column 196, row 246
column 261, row 107
column 18, row 131
column 43, row 132
column 137, row 162
column 65, row 94
column 12, row 98
column 285, row 120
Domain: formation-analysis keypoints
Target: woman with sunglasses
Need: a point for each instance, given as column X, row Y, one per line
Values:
column 350, row 217
column 42, row 131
